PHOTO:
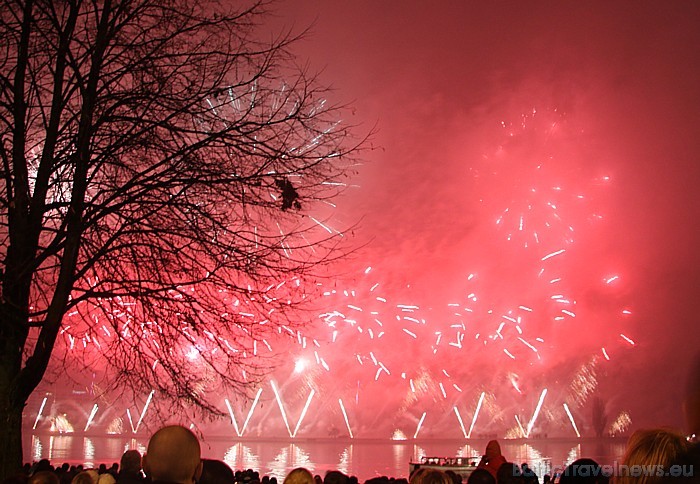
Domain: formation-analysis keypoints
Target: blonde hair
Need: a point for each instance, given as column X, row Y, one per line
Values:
column 428, row 475
column 89, row 476
column 660, row 447
column 299, row 476
column 106, row 478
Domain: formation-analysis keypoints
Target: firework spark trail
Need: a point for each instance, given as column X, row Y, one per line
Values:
column 520, row 426
column 41, row 409
column 627, row 339
column 420, row 423
column 281, row 407
column 93, row 412
column 345, row 417
column 461, row 424
column 131, row 422
column 476, row 414
column 553, row 254
column 250, row 410
column 303, row 412
column 233, row 417
column 571, row 419
column 537, row 412
column 143, row 412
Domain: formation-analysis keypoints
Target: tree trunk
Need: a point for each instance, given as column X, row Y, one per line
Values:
column 13, row 333
column 10, row 432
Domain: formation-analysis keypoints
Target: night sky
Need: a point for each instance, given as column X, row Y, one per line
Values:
column 474, row 104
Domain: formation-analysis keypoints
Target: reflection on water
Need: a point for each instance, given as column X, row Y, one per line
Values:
column 345, row 460
column 89, row 452
column 288, row 457
column 362, row 458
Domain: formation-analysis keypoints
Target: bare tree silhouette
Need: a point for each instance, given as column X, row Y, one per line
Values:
column 151, row 151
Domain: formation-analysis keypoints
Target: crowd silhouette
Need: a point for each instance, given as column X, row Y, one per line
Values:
column 173, row 456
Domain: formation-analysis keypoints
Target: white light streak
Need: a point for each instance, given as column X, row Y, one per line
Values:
column 279, row 403
column 143, row 412
column 131, row 422
column 553, row 254
column 627, row 339
column 345, row 416
column 420, row 423
column 38, row 415
column 537, row 412
column 233, row 418
column 571, row 419
column 522, row 431
column 303, row 411
column 476, row 414
column 527, row 344
column 461, row 424
column 92, row 416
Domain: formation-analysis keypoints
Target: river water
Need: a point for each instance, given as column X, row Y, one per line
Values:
column 362, row 458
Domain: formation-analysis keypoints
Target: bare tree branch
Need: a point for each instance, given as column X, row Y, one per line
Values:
column 159, row 162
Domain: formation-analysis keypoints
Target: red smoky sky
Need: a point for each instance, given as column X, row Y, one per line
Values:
column 483, row 106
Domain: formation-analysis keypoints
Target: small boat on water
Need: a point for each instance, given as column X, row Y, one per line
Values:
column 462, row 466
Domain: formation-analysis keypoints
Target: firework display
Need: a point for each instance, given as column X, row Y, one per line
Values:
column 508, row 351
